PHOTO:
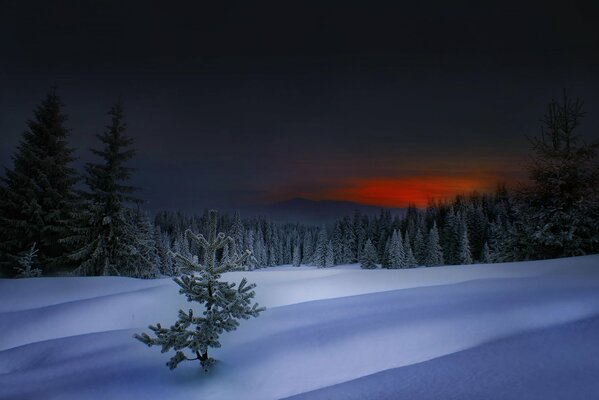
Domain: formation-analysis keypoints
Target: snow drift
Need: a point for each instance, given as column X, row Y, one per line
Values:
column 517, row 330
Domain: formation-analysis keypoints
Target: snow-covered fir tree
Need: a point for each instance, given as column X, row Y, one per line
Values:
column 349, row 253
column 464, row 254
column 106, row 235
column 249, row 241
column 237, row 233
column 37, row 199
column 498, row 239
column 260, row 252
column 369, row 258
column 144, row 261
column 451, row 237
column 485, row 255
column 434, row 252
column 337, row 244
column 386, row 258
column 26, row 268
column 181, row 246
column 557, row 215
column 396, row 251
column 164, row 250
column 222, row 304
column 320, row 252
column 297, row 256
column 419, row 247
column 330, row 256
column 409, row 259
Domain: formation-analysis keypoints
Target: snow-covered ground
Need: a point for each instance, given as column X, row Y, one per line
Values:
column 502, row 331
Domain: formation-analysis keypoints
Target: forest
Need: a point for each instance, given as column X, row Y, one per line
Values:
column 60, row 221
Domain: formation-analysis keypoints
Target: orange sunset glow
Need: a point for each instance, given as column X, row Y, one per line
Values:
column 401, row 192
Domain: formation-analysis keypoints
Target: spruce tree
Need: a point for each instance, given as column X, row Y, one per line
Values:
column 163, row 248
column 485, row 255
column 386, row 258
column 451, row 237
column 464, row 254
column 223, row 304
column 369, row 257
column 419, row 247
column 297, row 256
column 558, row 213
column 330, row 255
column 409, row 259
column 144, row 261
column 498, row 241
column 396, row 251
column 106, row 235
column 260, row 253
column 237, row 232
column 36, row 196
column 337, row 243
column 26, row 267
column 320, row 252
column 349, row 242
column 434, row 252
column 249, row 241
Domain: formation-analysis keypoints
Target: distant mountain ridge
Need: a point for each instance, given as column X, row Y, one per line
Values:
column 314, row 212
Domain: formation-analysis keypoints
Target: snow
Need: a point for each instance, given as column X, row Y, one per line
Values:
column 496, row 331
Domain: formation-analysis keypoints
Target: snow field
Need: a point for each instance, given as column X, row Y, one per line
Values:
column 327, row 333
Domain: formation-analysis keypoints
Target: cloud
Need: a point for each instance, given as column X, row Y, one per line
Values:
column 401, row 192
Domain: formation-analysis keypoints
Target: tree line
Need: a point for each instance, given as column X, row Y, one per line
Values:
column 50, row 226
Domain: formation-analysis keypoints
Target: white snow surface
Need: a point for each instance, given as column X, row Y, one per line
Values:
column 500, row 331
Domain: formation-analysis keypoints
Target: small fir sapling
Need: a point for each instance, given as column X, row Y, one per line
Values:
column 26, row 261
column 224, row 304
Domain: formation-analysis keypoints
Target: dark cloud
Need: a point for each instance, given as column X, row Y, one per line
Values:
column 236, row 101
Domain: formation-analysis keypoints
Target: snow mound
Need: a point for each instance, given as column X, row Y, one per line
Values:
column 327, row 333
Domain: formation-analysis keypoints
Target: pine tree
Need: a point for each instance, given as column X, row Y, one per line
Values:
column 452, row 237
column 237, row 233
column 349, row 242
column 409, row 259
column 499, row 241
column 163, row 248
column 337, row 243
column 396, row 251
column 26, row 264
column 434, row 252
column 144, row 261
column 107, row 235
column 249, row 241
column 330, row 255
column 308, row 248
column 224, row 305
column 297, row 256
column 369, row 257
column 37, row 197
column 419, row 247
column 320, row 252
column 260, row 253
column 386, row 258
column 558, row 213
column 181, row 246
column 464, row 255
column 485, row 255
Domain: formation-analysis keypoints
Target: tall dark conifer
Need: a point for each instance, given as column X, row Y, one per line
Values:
column 106, row 236
column 558, row 213
column 37, row 196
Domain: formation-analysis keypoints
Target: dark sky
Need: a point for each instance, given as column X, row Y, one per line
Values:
column 241, row 102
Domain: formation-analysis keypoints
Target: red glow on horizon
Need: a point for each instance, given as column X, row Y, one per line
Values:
column 401, row 192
